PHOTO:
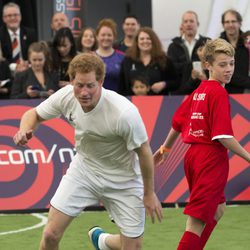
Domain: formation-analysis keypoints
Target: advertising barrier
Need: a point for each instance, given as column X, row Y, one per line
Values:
column 30, row 175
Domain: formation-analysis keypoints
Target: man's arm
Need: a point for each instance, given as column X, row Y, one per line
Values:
column 233, row 145
column 29, row 122
column 151, row 202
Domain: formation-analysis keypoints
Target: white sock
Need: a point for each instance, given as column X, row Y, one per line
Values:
column 101, row 241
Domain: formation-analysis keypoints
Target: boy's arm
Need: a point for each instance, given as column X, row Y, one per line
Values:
column 160, row 156
column 171, row 138
column 233, row 145
column 29, row 122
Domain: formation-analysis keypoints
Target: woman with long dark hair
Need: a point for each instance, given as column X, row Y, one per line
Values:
column 63, row 50
column 147, row 57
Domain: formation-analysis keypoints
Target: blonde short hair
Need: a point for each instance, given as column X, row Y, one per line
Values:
column 86, row 63
column 217, row 46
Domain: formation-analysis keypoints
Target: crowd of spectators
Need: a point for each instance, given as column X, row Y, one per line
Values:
column 135, row 65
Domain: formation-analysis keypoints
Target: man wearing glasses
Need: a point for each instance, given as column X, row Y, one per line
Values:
column 231, row 21
column 15, row 39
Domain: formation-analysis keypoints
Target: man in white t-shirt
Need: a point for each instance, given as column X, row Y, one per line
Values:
column 113, row 163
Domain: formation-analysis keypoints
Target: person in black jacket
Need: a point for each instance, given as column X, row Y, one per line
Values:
column 183, row 51
column 231, row 21
column 5, row 78
column 11, row 30
column 130, row 27
column 146, row 56
column 38, row 81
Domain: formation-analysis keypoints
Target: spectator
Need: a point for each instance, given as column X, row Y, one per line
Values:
column 140, row 85
column 86, row 41
column 198, row 72
column 231, row 21
column 59, row 20
column 37, row 81
column 183, row 50
column 246, row 37
column 106, row 34
column 15, row 39
column 146, row 56
column 5, row 78
column 63, row 51
column 130, row 26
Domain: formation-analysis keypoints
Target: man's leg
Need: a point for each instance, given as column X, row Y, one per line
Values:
column 191, row 237
column 131, row 243
column 126, row 208
column 105, row 241
column 210, row 226
column 111, row 241
column 54, row 229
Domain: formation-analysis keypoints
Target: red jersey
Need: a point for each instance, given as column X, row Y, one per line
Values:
column 205, row 115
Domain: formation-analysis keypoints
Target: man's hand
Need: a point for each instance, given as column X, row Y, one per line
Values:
column 153, row 207
column 22, row 137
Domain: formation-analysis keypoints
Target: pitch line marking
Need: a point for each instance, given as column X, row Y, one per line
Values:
column 43, row 221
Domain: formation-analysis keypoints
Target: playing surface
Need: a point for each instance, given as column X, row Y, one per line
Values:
column 23, row 232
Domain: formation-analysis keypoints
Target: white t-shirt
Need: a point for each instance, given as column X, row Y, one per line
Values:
column 106, row 136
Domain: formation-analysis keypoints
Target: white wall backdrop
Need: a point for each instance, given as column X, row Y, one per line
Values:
column 166, row 15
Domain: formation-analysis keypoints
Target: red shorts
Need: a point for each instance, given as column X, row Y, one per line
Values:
column 206, row 168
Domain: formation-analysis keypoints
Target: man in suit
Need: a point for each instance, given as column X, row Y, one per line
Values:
column 15, row 39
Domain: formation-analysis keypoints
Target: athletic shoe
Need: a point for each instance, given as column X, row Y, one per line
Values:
column 94, row 234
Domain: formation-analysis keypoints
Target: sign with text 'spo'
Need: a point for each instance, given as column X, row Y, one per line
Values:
column 30, row 175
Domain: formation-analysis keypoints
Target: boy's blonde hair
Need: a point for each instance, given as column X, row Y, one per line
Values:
column 216, row 46
column 86, row 63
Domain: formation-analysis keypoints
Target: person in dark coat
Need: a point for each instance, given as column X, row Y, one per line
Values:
column 38, row 81
column 183, row 52
column 5, row 78
column 231, row 21
column 10, row 30
column 147, row 57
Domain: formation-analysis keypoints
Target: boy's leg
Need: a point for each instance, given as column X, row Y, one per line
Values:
column 206, row 182
column 191, row 237
column 210, row 226
column 54, row 229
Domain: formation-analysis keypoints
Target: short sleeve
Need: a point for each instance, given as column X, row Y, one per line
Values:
column 220, row 118
column 131, row 128
column 51, row 107
column 181, row 116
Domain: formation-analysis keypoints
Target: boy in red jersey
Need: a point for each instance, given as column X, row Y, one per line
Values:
column 204, row 121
